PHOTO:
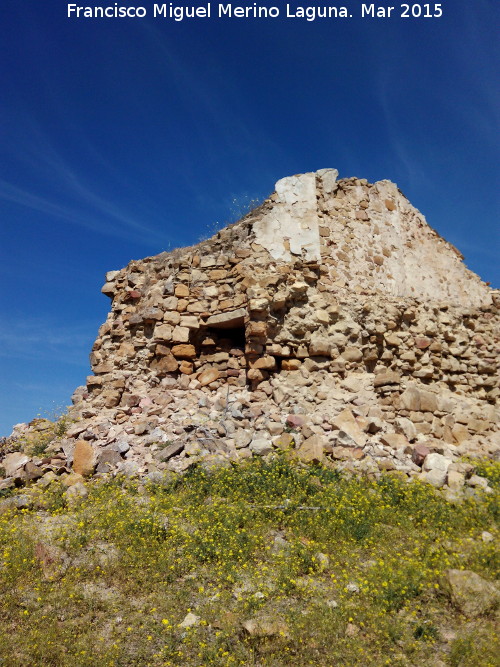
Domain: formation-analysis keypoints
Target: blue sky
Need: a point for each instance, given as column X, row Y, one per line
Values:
column 121, row 138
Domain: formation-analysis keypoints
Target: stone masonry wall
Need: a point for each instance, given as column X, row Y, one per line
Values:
column 227, row 311
column 331, row 320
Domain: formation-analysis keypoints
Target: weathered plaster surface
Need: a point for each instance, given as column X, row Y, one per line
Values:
column 291, row 227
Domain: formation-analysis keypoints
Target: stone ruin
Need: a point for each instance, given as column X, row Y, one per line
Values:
column 331, row 322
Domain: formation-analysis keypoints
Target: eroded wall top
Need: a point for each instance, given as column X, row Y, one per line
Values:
column 368, row 236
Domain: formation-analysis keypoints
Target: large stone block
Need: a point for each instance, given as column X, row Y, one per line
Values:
column 267, row 362
column 184, row 351
column 346, row 422
column 14, row 462
column 208, row 376
column 394, row 440
column 165, row 364
column 311, row 449
column 410, row 399
column 386, row 377
column 163, row 332
column 319, row 346
column 229, row 320
column 256, row 330
column 84, row 458
column 180, row 335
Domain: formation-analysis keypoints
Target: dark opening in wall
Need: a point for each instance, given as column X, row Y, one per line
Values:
column 225, row 339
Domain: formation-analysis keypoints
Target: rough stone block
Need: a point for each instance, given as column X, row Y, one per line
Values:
column 181, row 291
column 84, row 458
column 229, row 320
column 184, row 351
column 311, row 449
column 266, row 362
column 386, row 377
column 208, row 376
column 180, row 335
column 346, row 422
column 394, row 440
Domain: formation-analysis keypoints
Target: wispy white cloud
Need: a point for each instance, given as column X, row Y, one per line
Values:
column 43, row 339
column 103, row 218
column 424, row 115
column 66, row 195
column 401, row 145
column 17, row 195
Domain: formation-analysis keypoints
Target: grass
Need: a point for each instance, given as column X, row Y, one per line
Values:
column 337, row 571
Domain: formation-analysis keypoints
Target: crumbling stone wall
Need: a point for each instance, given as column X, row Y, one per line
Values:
column 332, row 320
column 252, row 301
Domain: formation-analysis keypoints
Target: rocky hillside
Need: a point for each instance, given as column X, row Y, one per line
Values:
column 331, row 321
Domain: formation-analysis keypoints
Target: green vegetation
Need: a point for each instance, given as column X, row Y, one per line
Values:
column 489, row 469
column 42, row 432
column 331, row 570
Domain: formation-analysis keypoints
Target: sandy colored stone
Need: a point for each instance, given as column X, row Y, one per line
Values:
column 229, row 320
column 311, row 449
column 319, row 346
column 266, row 362
column 266, row 626
column 105, row 367
column 410, row 399
column 347, row 453
column 386, row 377
column 242, row 438
column 470, row 593
column 284, row 441
column 111, row 398
column 181, row 291
column 460, row 433
column 71, row 478
column 126, row 350
column 190, row 321
column 163, row 332
column 172, row 318
column 180, row 334
column 455, row 480
column 165, row 364
column 184, row 351
column 261, row 446
column 291, row 364
column 84, row 458
column 190, row 620
column 346, row 421
column 256, row 329
column 208, row 376
column 217, row 274
column 14, row 462
column 186, row 367
column 256, row 374
column 435, row 461
column 392, row 339
column 33, row 471
column 428, row 401
column 352, row 354
column 394, row 440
